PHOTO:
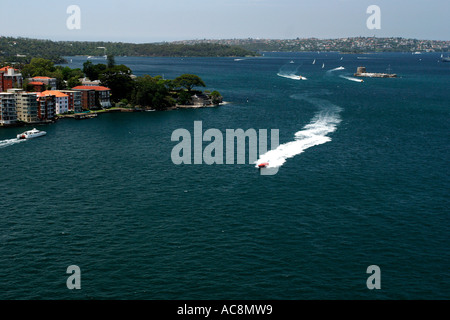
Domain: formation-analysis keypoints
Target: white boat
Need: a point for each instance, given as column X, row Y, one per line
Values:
column 302, row 78
column 323, row 65
column 314, row 62
column 292, row 61
column 31, row 134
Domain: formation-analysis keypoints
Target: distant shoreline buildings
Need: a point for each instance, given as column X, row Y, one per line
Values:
column 343, row 45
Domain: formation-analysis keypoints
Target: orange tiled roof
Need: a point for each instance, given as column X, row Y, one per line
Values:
column 55, row 93
column 96, row 88
column 5, row 69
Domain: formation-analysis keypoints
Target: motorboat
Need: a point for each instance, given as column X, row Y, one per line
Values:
column 31, row 134
column 263, row 165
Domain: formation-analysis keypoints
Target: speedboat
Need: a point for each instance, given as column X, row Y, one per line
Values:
column 263, row 165
column 302, row 78
column 31, row 134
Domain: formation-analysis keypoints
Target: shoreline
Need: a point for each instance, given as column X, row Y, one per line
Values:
column 95, row 113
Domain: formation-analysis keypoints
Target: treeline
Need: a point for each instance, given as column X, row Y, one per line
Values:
column 22, row 49
column 126, row 90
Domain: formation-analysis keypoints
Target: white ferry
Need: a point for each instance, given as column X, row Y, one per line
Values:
column 31, row 134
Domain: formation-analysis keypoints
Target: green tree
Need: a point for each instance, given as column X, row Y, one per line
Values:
column 119, row 80
column 93, row 71
column 73, row 82
column 189, row 81
column 216, row 97
column 184, row 98
column 38, row 67
column 111, row 61
column 151, row 92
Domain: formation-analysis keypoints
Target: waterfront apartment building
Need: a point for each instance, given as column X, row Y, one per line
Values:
column 48, row 82
column 46, row 106
column 94, row 96
column 10, row 78
column 27, row 107
column 74, row 100
column 61, row 101
column 8, row 114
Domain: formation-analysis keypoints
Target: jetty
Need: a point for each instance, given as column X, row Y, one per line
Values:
column 361, row 72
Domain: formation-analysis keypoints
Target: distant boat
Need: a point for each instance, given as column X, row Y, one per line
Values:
column 31, row 134
column 342, row 58
column 98, row 58
column 323, row 65
column 417, row 52
column 447, row 59
column 314, row 62
column 291, row 61
column 302, row 78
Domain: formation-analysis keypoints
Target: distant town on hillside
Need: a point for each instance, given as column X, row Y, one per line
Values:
column 23, row 49
column 344, row 45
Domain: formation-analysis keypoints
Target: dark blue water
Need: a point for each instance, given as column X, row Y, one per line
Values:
column 105, row 195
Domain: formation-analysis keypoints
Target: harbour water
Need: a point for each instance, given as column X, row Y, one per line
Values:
column 363, row 180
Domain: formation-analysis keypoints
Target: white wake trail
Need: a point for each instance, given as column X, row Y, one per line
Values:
column 9, row 142
column 336, row 69
column 315, row 133
column 287, row 71
column 291, row 76
column 351, row 79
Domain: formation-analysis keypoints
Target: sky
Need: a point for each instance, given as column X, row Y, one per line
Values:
column 143, row 21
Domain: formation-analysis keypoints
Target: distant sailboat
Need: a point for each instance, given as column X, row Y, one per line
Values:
column 323, row 65
column 314, row 62
column 342, row 58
